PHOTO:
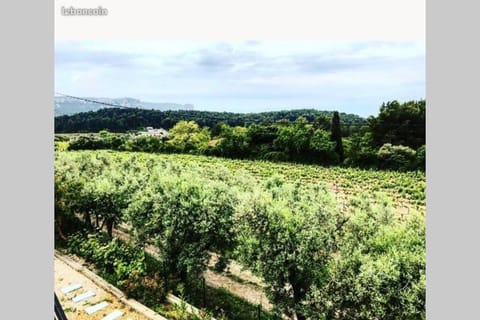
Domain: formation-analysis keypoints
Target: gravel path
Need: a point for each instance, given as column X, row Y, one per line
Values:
column 66, row 275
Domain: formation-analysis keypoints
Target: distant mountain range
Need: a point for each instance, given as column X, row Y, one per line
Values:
column 70, row 105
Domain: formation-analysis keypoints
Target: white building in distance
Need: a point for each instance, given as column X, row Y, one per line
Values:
column 152, row 132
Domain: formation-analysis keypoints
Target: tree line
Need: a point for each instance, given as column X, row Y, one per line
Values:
column 130, row 119
column 395, row 139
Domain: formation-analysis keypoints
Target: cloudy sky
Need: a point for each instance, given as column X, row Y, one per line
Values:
column 248, row 76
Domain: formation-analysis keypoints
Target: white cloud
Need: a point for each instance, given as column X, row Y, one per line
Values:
column 245, row 76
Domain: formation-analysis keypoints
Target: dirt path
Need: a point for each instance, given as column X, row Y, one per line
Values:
column 250, row 288
column 238, row 270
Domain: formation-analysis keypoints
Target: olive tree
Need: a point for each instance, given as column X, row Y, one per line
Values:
column 289, row 237
column 378, row 271
column 185, row 217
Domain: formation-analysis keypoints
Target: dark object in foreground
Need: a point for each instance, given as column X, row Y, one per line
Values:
column 59, row 314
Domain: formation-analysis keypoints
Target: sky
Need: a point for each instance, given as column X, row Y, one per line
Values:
column 245, row 76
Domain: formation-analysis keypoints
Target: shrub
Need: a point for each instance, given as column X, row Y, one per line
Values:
column 396, row 157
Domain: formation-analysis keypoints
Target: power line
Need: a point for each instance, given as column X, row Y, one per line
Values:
column 94, row 101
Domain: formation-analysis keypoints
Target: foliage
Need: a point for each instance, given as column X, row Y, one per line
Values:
column 293, row 236
column 61, row 145
column 421, row 158
column 323, row 147
column 143, row 143
column 186, row 217
column 121, row 264
column 88, row 189
column 233, row 142
column 188, row 137
column 379, row 271
column 359, row 150
column 104, row 140
column 399, row 124
column 66, row 188
column 293, row 139
column 396, row 157
column 115, row 259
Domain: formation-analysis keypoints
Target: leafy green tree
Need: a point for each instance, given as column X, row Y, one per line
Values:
column 293, row 138
column 378, row 271
column 64, row 191
column 233, row 142
column 260, row 134
column 289, row 238
column 323, row 147
column 69, row 194
column 360, row 150
column 109, row 199
column 261, row 139
column 322, row 122
column 185, row 217
column 217, row 129
column 186, row 136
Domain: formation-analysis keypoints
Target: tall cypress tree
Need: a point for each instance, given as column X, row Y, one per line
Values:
column 337, row 135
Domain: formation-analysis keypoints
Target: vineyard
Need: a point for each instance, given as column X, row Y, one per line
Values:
column 406, row 189
column 328, row 242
